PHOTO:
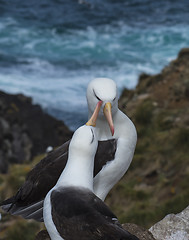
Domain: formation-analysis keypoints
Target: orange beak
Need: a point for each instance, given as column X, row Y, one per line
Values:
column 92, row 120
column 108, row 114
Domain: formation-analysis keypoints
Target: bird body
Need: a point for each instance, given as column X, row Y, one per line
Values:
column 78, row 173
column 71, row 210
column 124, row 133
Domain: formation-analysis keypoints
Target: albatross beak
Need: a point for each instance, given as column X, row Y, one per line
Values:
column 108, row 114
column 92, row 120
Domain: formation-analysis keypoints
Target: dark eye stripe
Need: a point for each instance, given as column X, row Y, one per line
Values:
column 96, row 96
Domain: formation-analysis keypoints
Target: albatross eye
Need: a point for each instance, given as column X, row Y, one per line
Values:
column 96, row 96
column 114, row 99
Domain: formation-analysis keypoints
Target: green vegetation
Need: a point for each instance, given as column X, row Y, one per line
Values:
column 17, row 228
column 144, row 112
column 22, row 230
column 182, row 138
column 156, row 183
column 13, row 180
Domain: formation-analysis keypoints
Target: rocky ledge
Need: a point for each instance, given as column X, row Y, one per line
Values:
column 172, row 227
column 25, row 130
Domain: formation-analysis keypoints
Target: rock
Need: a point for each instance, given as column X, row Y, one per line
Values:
column 42, row 235
column 184, row 53
column 140, row 232
column 172, row 227
column 26, row 130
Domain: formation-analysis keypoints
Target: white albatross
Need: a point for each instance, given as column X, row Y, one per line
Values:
column 117, row 140
column 71, row 210
column 122, row 130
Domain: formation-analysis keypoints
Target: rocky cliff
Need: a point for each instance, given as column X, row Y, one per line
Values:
column 25, row 130
column 156, row 183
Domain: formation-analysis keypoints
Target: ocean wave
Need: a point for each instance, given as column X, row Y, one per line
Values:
column 52, row 57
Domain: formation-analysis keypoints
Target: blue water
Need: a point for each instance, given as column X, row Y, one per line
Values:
column 51, row 49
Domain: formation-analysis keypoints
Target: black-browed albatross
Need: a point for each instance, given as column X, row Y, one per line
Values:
column 114, row 154
column 71, row 210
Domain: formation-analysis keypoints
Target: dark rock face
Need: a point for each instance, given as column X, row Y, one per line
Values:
column 42, row 235
column 25, row 130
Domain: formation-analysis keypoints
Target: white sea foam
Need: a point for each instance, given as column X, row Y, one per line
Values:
column 54, row 68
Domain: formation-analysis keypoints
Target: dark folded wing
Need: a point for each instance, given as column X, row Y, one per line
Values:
column 105, row 153
column 28, row 202
column 80, row 214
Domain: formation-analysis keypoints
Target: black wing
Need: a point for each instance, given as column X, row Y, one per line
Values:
column 105, row 153
column 28, row 202
column 80, row 214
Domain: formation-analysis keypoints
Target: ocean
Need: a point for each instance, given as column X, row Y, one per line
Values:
column 51, row 49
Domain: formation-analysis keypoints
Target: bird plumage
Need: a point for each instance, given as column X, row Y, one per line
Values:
column 71, row 210
column 85, row 216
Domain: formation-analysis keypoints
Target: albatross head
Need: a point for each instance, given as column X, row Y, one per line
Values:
column 102, row 92
column 84, row 143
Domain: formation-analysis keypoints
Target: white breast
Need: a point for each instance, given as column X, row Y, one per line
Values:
column 48, row 218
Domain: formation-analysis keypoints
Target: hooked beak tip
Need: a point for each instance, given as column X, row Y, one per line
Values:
column 112, row 130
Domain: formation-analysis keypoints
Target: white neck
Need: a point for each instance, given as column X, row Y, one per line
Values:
column 78, row 172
